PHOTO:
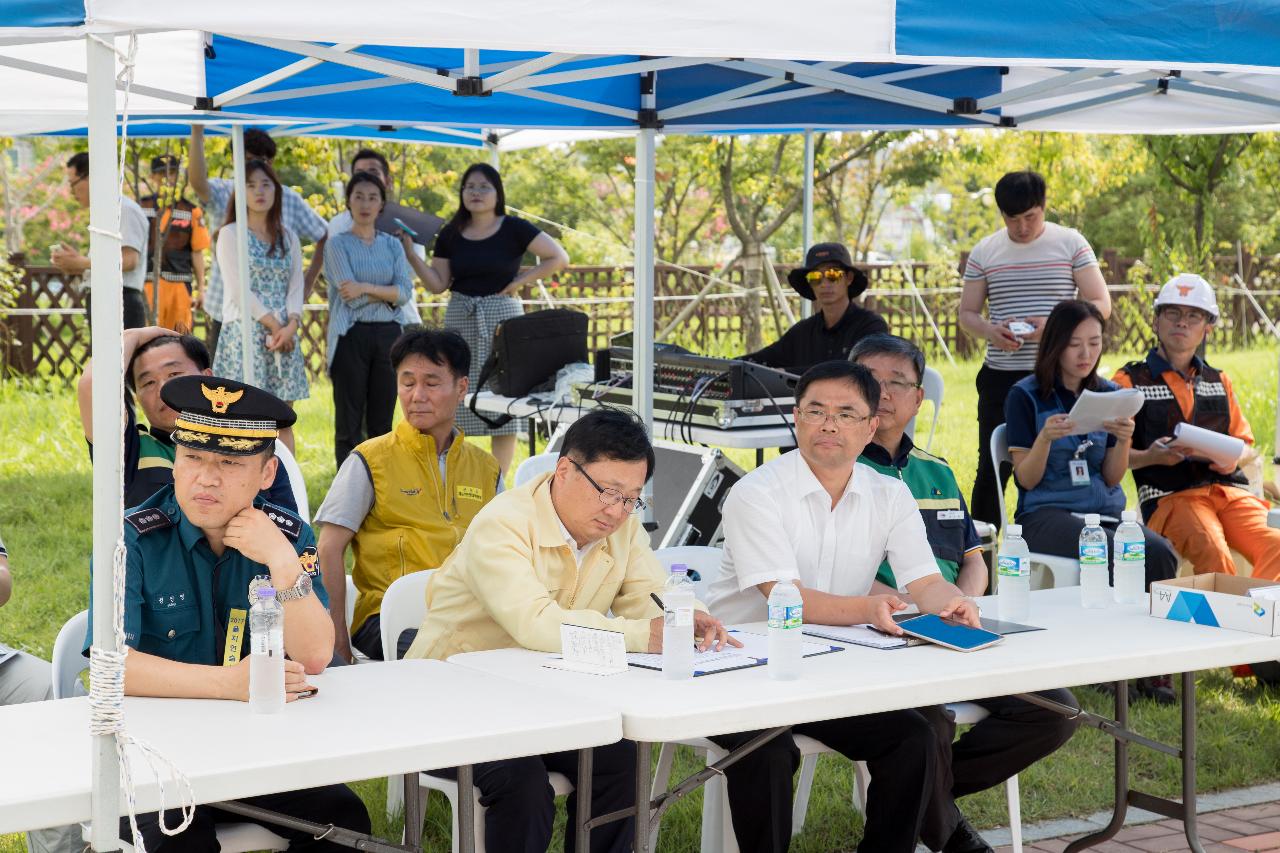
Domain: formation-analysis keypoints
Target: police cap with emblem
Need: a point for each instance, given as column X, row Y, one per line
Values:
column 223, row 415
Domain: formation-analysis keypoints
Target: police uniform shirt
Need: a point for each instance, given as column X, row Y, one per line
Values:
column 184, row 603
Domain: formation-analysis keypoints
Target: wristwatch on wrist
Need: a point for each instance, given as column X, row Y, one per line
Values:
column 301, row 589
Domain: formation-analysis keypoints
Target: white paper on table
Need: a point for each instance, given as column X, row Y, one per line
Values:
column 1092, row 408
column 858, row 635
column 1199, row 443
column 595, row 651
column 1270, row 593
column 753, row 652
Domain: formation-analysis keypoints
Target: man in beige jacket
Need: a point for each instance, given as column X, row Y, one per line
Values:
column 567, row 547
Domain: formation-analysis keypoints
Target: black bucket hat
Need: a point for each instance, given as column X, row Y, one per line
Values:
column 826, row 253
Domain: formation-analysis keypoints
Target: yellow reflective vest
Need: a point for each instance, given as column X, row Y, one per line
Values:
column 416, row 520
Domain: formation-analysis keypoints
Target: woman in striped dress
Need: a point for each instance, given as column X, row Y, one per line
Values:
column 477, row 257
column 370, row 286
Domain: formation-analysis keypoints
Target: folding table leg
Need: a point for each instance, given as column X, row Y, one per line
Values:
column 586, row 761
column 1121, row 803
column 412, row 811
column 1190, row 822
column 466, row 810
column 644, row 770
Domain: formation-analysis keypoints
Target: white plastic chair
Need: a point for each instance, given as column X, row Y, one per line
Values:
column 352, row 594
column 68, row 662
column 296, row 482
column 534, row 466
column 1062, row 571
column 68, row 655
column 934, row 389
column 404, row 606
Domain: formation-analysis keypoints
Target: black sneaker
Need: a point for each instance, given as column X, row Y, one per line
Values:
column 1159, row 689
column 965, row 839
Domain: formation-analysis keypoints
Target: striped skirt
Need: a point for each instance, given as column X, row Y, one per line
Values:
column 476, row 318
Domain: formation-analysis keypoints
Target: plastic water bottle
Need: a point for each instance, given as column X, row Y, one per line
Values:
column 1013, row 573
column 786, row 624
column 677, row 624
column 266, row 658
column 1095, row 591
column 1130, row 559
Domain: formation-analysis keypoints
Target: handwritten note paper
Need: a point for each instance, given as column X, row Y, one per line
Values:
column 595, row 651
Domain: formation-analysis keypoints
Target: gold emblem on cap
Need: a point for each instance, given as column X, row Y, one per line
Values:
column 238, row 443
column 220, row 398
column 188, row 435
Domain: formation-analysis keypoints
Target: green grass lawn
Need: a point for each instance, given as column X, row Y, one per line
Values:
column 45, row 507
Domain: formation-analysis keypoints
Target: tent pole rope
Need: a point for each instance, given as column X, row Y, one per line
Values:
column 107, row 664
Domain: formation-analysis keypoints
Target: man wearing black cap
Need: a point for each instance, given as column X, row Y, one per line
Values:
column 195, row 551
column 829, row 279
column 178, row 229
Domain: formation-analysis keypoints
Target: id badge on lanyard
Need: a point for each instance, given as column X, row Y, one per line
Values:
column 1078, row 466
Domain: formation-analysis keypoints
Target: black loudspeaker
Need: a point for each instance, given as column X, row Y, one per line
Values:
column 690, row 485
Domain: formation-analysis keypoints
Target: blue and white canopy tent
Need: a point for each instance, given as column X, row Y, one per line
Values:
column 670, row 66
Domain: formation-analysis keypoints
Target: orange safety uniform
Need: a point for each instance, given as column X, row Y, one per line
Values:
column 1202, row 512
column 185, row 234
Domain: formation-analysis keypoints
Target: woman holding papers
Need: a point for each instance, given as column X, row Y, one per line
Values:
column 1062, row 471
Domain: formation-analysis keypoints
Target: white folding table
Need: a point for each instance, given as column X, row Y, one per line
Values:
column 1079, row 647
column 746, row 438
column 379, row 719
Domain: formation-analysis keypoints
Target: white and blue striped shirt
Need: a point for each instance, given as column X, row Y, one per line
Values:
column 382, row 262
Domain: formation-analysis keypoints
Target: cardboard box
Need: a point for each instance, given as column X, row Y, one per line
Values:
column 1220, row 601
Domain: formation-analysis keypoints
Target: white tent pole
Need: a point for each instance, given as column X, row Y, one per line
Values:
column 106, row 324
column 242, row 254
column 491, row 145
column 806, row 307
column 642, row 318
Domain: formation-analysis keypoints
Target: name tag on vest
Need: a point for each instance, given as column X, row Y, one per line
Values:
column 950, row 514
column 470, row 493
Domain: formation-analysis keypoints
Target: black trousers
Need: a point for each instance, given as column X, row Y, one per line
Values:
column 213, row 330
column 135, row 308
column 368, row 639
column 993, row 387
column 1016, row 735
column 364, row 385
column 1056, row 531
column 901, row 751
column 520, row 807
column 335, row 804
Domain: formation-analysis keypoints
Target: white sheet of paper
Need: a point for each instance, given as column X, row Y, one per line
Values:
column 860, row 635
column 591, row 650
column 1200, row 443
column 755, row 647
column 1094, row 407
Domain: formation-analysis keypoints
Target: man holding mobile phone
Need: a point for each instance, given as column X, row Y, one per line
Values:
column 816, row 515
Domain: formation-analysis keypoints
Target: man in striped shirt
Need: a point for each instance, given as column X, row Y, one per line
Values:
column 1020, row 272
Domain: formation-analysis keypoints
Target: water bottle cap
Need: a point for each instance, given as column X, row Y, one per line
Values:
column 1014, row 530
column 1092, row 519
column 1129, row 515
column 680, row 568
column 267, row 591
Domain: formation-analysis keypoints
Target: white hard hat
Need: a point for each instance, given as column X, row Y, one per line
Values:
column 1191, row 290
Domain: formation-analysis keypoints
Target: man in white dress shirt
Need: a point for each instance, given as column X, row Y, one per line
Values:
column 818, row 517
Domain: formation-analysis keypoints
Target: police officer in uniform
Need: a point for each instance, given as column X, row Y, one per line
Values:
column 196, row 549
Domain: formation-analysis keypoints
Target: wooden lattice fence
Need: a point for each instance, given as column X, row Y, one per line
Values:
column 47, row 336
